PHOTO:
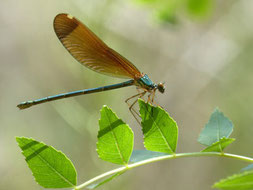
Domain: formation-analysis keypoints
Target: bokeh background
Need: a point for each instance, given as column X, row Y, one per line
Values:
column 201, row 49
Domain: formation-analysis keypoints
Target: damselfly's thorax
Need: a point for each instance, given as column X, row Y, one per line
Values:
column 145, row 83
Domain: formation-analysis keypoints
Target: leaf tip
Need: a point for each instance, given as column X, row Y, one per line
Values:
column 217, row 109
column 17, row 138
column 140, row 100
column 104, row 107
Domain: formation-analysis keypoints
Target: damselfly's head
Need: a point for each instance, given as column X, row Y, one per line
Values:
column 161, row 87
column 145, row 83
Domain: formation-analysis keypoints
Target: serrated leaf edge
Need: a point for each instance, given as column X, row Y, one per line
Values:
column 72, row 185
column 218, row 135
column 164, row 113
column 121, row 156
column 221, row 150
column 233, row 177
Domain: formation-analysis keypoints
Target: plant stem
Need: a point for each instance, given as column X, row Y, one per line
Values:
column 156, row 159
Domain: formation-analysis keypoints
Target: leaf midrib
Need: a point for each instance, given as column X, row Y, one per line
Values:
column 51, row 167
column 116, row 143
column 168, row 145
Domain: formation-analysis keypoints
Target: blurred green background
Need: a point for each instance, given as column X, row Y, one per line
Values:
column 201, row 49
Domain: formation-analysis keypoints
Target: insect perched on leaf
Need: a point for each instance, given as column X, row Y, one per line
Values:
column 94, row 54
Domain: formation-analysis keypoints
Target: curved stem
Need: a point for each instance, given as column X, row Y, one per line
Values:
column 156, row 159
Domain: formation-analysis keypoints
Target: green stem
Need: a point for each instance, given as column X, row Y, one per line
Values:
column 155, row 159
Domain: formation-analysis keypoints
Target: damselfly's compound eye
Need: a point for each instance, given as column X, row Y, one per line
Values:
column 161, row 87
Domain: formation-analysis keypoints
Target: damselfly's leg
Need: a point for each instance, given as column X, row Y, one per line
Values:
column 153, row 96
column 140, row 96
column 148, row 101
column 127, row 100
column 131, row 105
column 153, row 100
column 131, row 109
column 132, row 98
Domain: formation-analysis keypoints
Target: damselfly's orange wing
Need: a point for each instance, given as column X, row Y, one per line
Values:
column 90, row 51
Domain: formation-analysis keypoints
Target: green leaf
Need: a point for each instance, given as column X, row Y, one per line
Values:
column 51, row 168
column 217, row 127
column 139, row 155
column 95, row 185
column 241, row 181
column 219, row 146
column 115, row 138
column 159, row 129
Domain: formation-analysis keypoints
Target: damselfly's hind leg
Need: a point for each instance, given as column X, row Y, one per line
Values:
column 136, row 95
column 131, row 108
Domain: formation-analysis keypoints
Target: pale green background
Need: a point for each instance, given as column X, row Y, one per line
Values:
column 204, row 64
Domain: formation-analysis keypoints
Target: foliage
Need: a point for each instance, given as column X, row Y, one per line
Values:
column 216, row 132
column 52, row 169
column 159, row 129
column 115, row 138
column 217, row 127
column 239, row 181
